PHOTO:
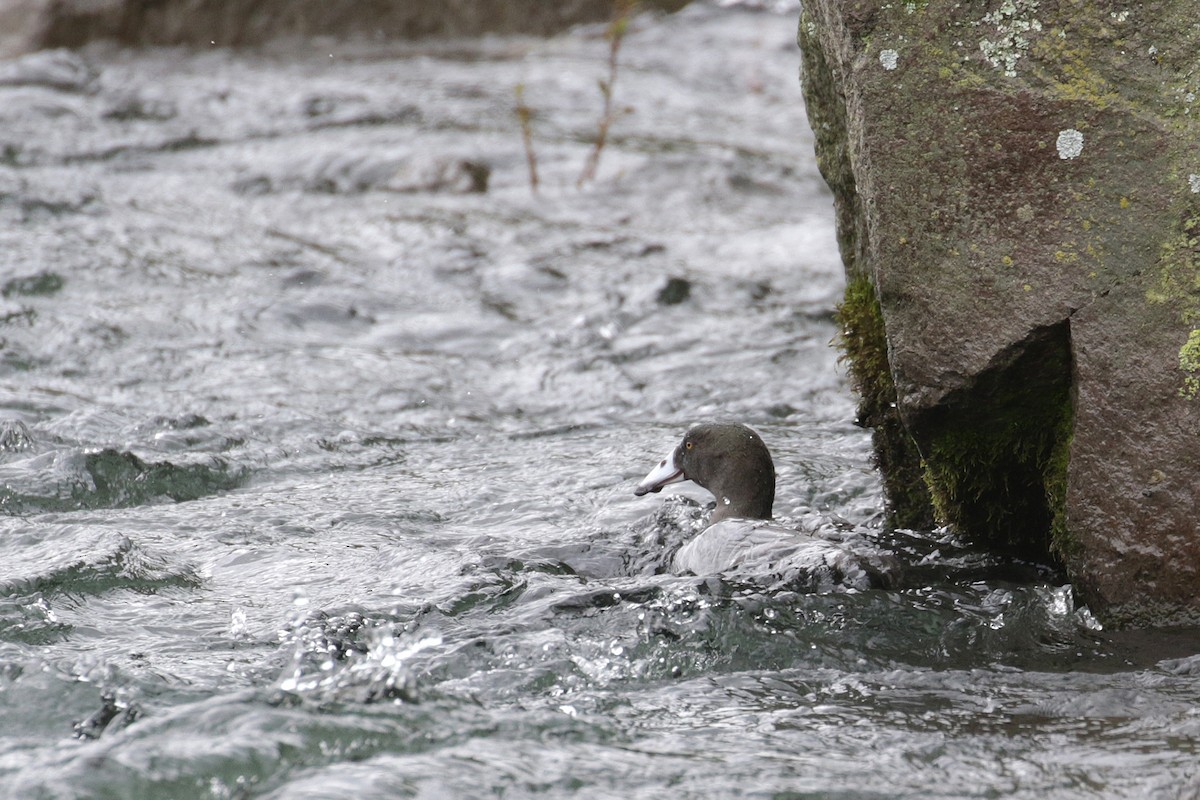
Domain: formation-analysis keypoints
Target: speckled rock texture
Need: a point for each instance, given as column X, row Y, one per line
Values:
column 1018, row 181
column 27, row 25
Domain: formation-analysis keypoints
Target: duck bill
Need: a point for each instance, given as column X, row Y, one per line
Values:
column 665, row 473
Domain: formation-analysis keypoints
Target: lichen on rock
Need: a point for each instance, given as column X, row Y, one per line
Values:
column 1010, row 27
column 1189, row 364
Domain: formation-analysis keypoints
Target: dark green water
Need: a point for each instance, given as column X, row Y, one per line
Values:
column 317, row 471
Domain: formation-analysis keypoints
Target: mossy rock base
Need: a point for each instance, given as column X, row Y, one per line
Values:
column 864, row 344
column 993, row 454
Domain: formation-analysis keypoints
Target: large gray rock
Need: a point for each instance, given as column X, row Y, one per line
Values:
column 1018, row 194
column 27, row 25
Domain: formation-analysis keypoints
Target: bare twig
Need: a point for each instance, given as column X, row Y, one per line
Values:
column 615, row 34
column 525, row 117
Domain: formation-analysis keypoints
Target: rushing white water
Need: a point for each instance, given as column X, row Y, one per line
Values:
column 318, row 470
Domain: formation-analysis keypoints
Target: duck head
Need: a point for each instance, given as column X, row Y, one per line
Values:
column 730, row 461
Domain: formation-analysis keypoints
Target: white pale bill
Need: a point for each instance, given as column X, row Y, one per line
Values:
column 666, row 472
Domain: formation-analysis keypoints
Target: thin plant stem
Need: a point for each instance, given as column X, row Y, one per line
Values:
column 615, row 35
column 525, row 117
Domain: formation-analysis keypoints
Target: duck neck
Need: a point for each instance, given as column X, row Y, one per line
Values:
column 754, row 504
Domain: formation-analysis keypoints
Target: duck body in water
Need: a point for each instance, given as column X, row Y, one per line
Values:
column 733, row 462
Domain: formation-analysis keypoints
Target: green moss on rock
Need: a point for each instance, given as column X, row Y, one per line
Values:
column 1063, row 544
column 864, row 346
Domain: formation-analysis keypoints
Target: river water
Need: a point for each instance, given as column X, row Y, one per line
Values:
column 318, row 467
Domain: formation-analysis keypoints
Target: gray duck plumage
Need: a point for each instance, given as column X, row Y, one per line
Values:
column 733, row 462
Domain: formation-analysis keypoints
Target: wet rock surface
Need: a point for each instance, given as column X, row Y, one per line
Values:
column 1017, row 186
